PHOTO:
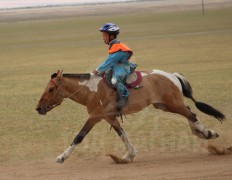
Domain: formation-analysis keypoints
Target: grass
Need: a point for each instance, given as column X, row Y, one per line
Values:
column 199, row 47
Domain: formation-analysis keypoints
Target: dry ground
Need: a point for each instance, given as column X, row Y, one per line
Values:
column 146, row 166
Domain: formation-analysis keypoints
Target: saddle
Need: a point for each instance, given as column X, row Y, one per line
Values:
column 131, row 81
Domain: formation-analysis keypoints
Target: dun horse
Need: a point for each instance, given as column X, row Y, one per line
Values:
column 163, row 90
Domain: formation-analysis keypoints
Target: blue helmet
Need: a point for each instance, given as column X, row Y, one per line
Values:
column 110, row 28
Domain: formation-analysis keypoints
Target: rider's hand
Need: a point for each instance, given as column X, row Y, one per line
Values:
column 95, row 72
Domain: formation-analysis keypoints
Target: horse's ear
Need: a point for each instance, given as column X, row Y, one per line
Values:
column 53, row 75
column 59, row 73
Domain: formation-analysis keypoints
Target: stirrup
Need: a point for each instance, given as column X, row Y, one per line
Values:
column 119, row 113
column 119, row 105
column 121, row 102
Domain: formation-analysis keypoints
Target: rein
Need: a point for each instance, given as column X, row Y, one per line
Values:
column 86, row 76
column 77, row 90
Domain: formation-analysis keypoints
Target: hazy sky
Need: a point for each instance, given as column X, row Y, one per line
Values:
column 26, row 3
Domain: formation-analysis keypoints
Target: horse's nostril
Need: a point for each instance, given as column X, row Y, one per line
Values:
column 38, row 109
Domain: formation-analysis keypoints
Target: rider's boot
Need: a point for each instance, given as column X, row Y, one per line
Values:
column 121, row 102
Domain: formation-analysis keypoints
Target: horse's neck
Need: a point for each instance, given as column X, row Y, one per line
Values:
column 76, row 90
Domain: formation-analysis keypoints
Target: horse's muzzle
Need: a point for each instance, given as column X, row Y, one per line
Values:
column 42, row 111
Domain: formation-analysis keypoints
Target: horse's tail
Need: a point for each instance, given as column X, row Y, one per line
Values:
column 205, row 108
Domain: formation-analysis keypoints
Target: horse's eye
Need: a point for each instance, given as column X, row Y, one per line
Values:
column 51, row 89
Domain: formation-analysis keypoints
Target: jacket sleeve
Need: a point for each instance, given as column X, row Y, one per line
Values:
column 111, row 61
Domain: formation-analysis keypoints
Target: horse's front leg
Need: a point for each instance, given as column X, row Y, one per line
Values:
column 131, row 152
column 78, row 139
column 129, row 156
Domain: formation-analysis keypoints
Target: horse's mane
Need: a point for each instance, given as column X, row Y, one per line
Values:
column 79, row 76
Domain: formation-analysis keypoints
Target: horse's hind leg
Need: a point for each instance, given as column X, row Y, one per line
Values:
column 198, row 129
column 129, row 156
column 196, row 126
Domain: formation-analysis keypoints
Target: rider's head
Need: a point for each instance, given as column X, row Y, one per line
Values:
column 109, row 32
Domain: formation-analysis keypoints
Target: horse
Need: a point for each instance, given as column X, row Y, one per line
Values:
column 165, row 91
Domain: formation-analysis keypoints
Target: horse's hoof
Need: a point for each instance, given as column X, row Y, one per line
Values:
column 117, row 159
column 60, row 159
column 212, row 134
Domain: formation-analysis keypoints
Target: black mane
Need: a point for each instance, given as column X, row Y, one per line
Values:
column 79, row 76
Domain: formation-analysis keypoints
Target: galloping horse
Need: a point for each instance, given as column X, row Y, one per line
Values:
column 163, row 90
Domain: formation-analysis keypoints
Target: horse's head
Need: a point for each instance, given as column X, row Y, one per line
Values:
column 51, row 96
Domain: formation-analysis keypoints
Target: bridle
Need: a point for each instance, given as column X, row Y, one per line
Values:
column 59, row 92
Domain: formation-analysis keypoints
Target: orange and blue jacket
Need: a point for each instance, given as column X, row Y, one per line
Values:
column 119, row 53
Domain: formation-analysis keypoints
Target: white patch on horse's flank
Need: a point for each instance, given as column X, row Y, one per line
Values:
column 170, row 76
column 101, row 102
column 92, row 83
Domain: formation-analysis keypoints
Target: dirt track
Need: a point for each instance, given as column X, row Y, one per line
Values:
column 146, row 166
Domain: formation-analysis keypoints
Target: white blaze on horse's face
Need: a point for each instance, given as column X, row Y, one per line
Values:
column 92, row 83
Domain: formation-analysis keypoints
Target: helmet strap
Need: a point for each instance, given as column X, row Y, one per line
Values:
column 111, row 39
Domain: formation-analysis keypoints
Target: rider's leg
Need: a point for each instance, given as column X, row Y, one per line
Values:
column 119, row 74
column 122, row 93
